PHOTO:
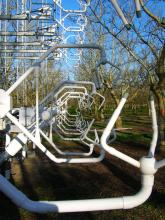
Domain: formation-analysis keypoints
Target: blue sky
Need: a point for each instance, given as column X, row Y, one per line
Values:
column 157, row 6
column 70, row 4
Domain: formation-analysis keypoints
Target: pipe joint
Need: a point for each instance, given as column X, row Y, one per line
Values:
column 147, row 165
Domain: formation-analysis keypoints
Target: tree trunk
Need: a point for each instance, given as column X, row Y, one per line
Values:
column 103, row 106
column 159, row 92
column 161, row 120
column 96, row 112
column 161, row 139
column 119, row 122
column 102, row 113
column 99, row 114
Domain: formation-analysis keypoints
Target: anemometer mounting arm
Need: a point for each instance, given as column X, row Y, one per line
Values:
column 147, row 165
column 46, row 55
column 108, row 130
column 125, row 202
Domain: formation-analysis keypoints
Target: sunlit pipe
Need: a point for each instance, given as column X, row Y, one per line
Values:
column 71, row 92
column 72, row 86
column 125, row 202
column 84, row 6
column 160, row 164
column 66, row 131
column 103, row 100
column 16, row 144
column 154, row 128
column 80, row 25
column 113, row 138
column 80, row 130
column 48, row 153
column 138, row 8
column 69, row 128
column 120, row 13
column 66, row 153
column 77, row 124
column 68, row 122
column 60, row 123
column 65, row 138
column 67, row 83
column 70, row 95
column 84, row 136
column 65, row 121
column 21, row 139
column 51, row 50
column 71, row 115
column 108, row 130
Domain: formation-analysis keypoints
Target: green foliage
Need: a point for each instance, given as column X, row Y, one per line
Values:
column 134, row 138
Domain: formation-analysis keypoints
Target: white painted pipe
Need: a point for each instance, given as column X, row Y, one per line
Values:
column 16, row 144
column 85, row 205
column 66, row 120
column 120, row 13
column 66, row 153
column 108, row 130
column 103, row 98
column 68, row 83
column 154, row 128
column 160, row 164
column 138, row 8
column 83, row 5
column 85, row 137
column 68, row 93
column 65, row 138
column 71, row 115
column 48, row 153
column 68, row 133
column 112, row 139
column 46, row 54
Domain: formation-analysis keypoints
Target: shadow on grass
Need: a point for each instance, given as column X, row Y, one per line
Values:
column 156, row 199
column 64, row 182
column 54, row 185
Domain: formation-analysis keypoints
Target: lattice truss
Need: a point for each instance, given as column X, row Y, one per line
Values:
column 32, row 33
column 28, row 28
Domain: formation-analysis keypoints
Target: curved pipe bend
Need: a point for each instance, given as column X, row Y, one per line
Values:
column 37, row 64
column 126, row 202
column 108, row 130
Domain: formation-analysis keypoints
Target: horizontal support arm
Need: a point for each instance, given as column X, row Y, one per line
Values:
column 85, row 205
column 51, row 50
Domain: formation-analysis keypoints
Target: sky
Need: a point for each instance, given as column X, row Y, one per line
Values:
column 154, row 5
column 71, row 4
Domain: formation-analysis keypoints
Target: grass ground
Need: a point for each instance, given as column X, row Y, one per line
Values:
column 41, row 179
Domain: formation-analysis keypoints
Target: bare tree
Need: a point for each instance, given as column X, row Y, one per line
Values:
column 144, row 44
